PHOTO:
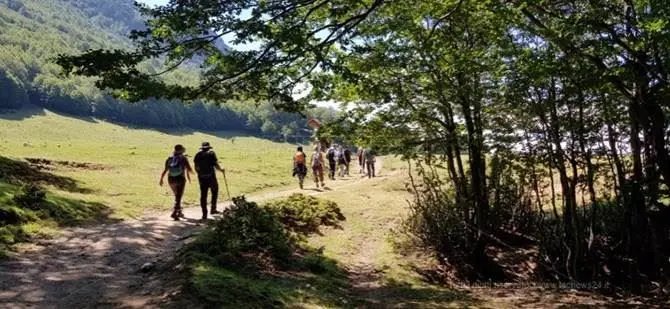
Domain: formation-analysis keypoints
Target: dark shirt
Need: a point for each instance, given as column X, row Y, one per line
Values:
column 205, row 161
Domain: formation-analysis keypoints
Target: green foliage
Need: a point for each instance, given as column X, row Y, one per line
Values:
column 229, row 289
column 31, row 197
column 25, row 204
column 232, row 260
column 552, row 81
column 35, row 34
column 304, row 214
column 245, row 232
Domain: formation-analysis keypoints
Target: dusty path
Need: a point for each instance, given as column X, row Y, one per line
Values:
column 100, row 266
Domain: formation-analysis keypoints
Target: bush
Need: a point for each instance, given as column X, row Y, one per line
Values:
column 232, row 262
column 304, row 214
column 31, row 197
column 440, row 226
column 245, row 234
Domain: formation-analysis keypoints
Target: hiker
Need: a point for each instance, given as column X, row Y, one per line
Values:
column 347, row 158
column 341, row 161
column 317, row 162
column 361, row 160
column 331, row 162
column 299, row 167
column 178, row 170
column 370, row 160
column 205, row 164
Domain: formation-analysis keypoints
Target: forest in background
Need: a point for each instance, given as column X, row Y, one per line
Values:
column 34, row 32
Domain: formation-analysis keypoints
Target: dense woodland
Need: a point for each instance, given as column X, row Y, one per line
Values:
column 528, row 124
column 34, row 32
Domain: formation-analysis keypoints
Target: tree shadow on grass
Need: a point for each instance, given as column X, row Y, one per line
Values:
column 21, row 114
column 223, row 288
column 29, row 111
column 20, row 172
column 69, row 212
column 398, row 294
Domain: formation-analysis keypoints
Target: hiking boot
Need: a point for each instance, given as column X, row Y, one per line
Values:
column 323, row 185
column 175, row 216
column 214, row 212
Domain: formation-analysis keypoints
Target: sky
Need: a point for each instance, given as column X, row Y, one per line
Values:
column 153, row 2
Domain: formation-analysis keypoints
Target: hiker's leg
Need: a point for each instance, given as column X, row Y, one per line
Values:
column 215, row 192
column 175, row 190
column 369, row 168
column 179, row 193
column 373, row 169
column 204, row 187
column 320, row 171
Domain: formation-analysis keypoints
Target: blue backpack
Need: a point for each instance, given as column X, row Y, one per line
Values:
column 176, row 166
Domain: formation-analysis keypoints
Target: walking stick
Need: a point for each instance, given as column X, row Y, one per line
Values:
column 225, row 181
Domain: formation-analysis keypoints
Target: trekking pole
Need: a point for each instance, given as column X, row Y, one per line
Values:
column 225, row 181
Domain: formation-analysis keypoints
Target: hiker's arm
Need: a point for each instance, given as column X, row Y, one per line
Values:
column 216, row 164
column 189, row 170
column 163, row 177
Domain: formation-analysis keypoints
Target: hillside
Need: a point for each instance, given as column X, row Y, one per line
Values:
column 36, row 31
column 95, row 170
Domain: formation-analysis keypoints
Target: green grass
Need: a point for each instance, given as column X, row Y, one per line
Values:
column 20, row 223
column 128, row 161
column 256, row 257
column 361, row 267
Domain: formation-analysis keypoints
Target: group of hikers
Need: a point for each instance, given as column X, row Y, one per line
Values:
column 339, row 161
column 179, row 171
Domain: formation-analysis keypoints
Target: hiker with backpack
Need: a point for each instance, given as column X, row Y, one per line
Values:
column 341, row 161
column 178, row 170
column 317, row 163
column 361, row 160
column 206, row 164
column 299, row 167
column 370, row 160
column 331, row 162
column 347, row 159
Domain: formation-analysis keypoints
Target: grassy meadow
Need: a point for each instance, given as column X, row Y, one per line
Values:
column 122, row 165
column 363, row 262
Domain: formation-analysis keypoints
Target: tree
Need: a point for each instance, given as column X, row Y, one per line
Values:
column 534, row 88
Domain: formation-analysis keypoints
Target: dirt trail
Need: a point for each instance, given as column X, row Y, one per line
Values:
column 101, row 266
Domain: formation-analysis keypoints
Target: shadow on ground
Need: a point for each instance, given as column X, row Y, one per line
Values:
column 29, row 111
column 98, row 267
column 21, row 172
column 333, row 288
column 21, row 114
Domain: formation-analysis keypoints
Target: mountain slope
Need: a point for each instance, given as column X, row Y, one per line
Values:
column 33, row 32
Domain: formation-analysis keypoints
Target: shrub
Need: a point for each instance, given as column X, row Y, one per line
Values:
column 31, row 197
column 439, row 225
column 304, row 214
column 245, row 234
column 231, row 263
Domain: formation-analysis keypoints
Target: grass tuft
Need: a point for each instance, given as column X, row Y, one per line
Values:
column 251, row 258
